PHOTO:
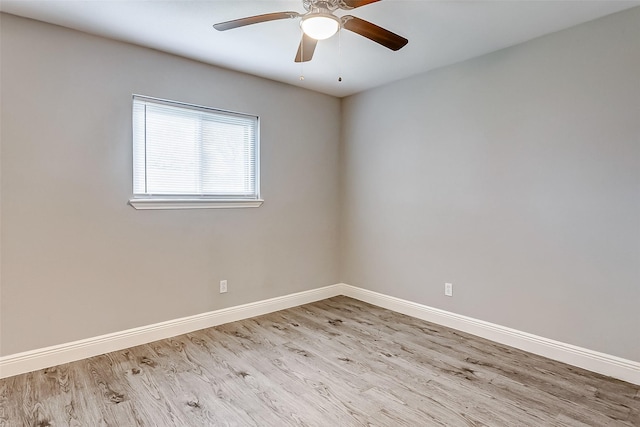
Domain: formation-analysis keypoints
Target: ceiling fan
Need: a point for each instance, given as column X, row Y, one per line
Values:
column 319, row 23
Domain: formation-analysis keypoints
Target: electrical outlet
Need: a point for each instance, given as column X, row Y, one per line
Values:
column 223, row 286
column 448, row 289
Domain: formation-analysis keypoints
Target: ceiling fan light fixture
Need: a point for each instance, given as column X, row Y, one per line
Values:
column 320, row 26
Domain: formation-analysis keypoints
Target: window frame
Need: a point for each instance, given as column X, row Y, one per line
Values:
column 194, row 201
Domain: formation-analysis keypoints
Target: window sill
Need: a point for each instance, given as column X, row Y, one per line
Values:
column 193, row 203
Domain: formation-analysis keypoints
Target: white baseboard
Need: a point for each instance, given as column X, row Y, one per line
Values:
column 69, row 352
column 605, row 364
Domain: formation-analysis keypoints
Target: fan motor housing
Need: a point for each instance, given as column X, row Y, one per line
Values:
column 324, row 5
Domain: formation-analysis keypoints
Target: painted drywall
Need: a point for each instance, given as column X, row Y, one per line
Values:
column 77, row 261
column 516, row 177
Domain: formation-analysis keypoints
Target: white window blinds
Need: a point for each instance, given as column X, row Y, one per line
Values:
column 182, row 150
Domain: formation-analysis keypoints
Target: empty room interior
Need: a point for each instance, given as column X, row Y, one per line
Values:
column 429, row 217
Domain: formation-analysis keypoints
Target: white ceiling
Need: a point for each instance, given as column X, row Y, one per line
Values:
column 439, row 32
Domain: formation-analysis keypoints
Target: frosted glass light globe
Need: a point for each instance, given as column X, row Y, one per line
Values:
column 320, row 26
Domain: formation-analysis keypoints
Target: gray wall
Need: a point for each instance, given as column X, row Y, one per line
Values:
column 77, row 261
column 515, row 176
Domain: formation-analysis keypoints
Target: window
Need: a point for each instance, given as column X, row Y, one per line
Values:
column 187, row 156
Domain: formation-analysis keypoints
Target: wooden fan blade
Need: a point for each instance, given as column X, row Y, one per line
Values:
column 352, row 4
column 371, row 31
column 249, row 20
column 306, row 48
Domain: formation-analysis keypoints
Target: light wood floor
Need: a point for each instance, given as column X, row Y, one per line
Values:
column 338, row 362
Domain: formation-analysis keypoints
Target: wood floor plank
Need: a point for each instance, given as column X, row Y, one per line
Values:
column 337, row 362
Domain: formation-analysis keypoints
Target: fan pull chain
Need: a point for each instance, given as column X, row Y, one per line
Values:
column 339, row 56
column 302, row 56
